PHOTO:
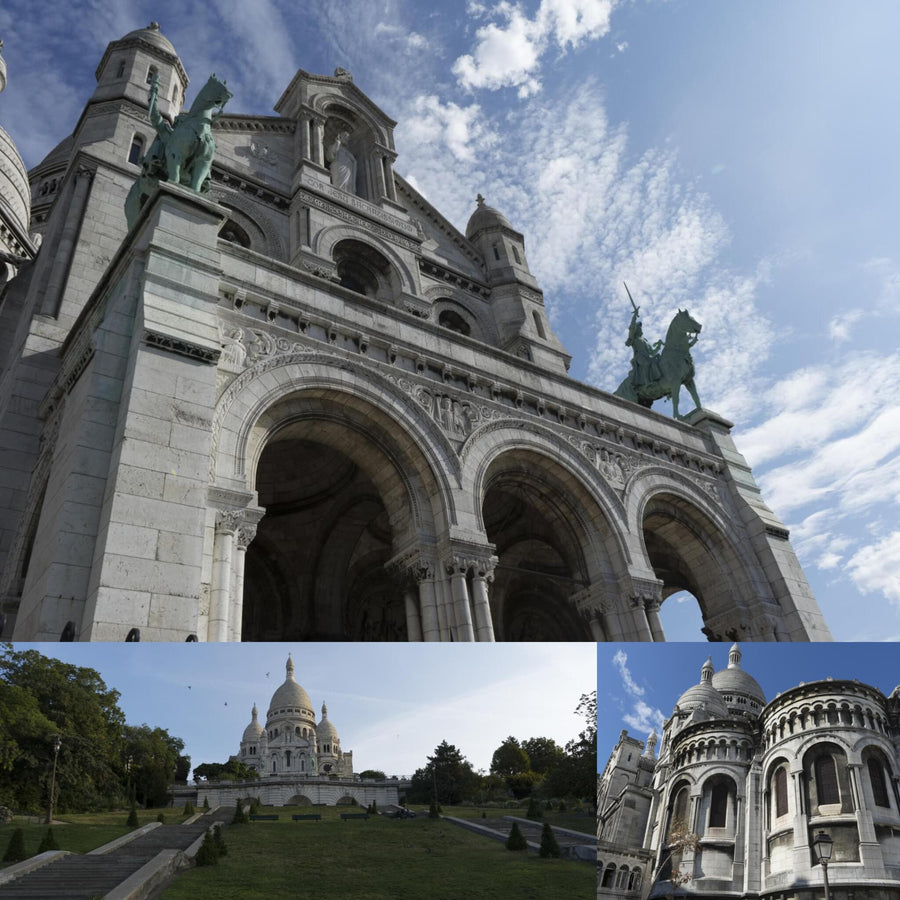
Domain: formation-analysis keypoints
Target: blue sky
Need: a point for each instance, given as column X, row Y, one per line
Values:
column 639, row 684
column 734, row 158
column 391, row 704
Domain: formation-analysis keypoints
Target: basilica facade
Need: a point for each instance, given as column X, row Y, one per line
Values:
column 292, row 742
column 733, row 802
column 302, row 405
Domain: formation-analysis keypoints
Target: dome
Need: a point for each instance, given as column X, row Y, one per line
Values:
column 704, row 695
column 15, row 194
column 325, row 731
column 734, row 680
column 290, row 695
column 253, row 730
column 485, row 217
column 153, row 36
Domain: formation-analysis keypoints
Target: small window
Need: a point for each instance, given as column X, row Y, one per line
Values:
column 136, row 153
column 496, row 252
column 121, row 70
column 781, row 794
column 539, row 325
column 152, row 72
column 826, row 781
column 879, row 785
column 454, row 321
column 516, row 255
column 718, row 806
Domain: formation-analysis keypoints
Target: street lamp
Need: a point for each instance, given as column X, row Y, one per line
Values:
column 823, row 844
column 57, row 743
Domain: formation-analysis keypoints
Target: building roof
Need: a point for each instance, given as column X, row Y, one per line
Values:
column 290, row 695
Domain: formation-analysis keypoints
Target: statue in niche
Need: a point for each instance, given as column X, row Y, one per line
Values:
column 341, row 163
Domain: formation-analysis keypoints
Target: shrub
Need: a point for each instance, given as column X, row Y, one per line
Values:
column 516, row 840
column 219, row 841
column 549, row 846
column 240, row 817
column 48, row 842
column 15, row 850
column 433, row 812
column 132, row 820
column 208, row 854
column 189, row 809
column 6, row 815
column 161, row 818
column 255, row 806
column 534, row 810
column 206, row 802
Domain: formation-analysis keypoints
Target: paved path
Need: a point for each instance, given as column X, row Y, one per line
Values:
column 85, row 876
column 499, row 829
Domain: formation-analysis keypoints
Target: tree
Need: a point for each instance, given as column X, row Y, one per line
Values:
column 510, row 759
column 153, row 757
column 448, row 775
column 74, row 703
column 516, row 840
column 543, row 754
column 549, row 844
column 375, row 774
column 233, row 770
column 575, row 775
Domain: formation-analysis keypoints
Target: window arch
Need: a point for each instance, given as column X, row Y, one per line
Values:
column 364, row 270
column 454, row 322
column 136, row 153
column 152, row 72
column 718, row 805
column 827, row 790
column 780, row 792
column 879, row 778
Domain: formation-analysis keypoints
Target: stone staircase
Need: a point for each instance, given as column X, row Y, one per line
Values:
column 93, row 875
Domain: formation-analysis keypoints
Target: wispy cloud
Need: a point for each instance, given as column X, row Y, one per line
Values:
column 641, row 717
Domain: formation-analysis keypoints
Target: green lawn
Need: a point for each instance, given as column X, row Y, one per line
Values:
column 375, row 859
column 577, row 821
column 80, row 832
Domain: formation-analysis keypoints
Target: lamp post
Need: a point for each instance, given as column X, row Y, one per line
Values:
column 57, row 743
column 823, row 844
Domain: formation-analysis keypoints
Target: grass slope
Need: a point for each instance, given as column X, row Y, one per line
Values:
column 378, row 859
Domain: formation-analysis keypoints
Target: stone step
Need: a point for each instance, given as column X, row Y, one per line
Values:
column 81, row 877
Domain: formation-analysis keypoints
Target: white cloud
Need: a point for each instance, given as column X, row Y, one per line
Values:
column 840, row 326
column 876, row 569
column 509, row 54
column 641, row 717
column 430, row 124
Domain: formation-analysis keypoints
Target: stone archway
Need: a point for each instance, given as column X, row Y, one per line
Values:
column 534, row 514
column 344, row 487
column 689, row 553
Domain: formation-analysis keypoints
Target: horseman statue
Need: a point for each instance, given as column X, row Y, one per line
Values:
column 656, row 372
column 182, row 153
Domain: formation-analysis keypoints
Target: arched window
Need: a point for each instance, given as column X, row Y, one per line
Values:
column 454, row 321
column 152, row 72
column 779, row 785
column 121, row 70
column 826, row 780
column 539, row 325
column 287, row 759
column 609, row 877
column 234, row 234
column 137, row 150
column 718, row 805
column 878, row 782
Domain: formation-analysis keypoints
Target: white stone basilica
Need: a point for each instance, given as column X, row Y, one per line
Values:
column 305, row 406
column 292, row 743
column 751, row 785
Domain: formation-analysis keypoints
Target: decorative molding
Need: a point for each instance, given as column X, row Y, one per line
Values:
column 370, row 210
column 183, row 348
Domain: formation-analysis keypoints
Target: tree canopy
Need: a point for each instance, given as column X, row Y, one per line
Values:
column 42, row 698
column 448, row 776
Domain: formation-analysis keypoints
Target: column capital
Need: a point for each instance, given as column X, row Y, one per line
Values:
column 228, row 520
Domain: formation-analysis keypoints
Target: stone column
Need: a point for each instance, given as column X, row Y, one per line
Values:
column 318, row 148
column 652, row 606
column 482, row 577
column 431, row 627
column 245, row 535
column 388, row 176
column 220, row 595
column 377, row 165
column 639, row 613
column 413, row 620
column 591, row 607
column 457, row 569
column 303, row 130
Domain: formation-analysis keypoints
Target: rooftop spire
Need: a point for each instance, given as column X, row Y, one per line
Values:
column 734, row 657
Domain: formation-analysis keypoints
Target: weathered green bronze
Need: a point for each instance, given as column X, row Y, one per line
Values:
column 182, row 153
column 659, row 373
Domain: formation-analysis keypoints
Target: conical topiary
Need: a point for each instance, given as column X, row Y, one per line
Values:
column 132, row 820
column 208, row 854
column 15, row 850
column 534, row 810
column 549, row 846
column 48, row 842
column 206, row 802
column 516, row 840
